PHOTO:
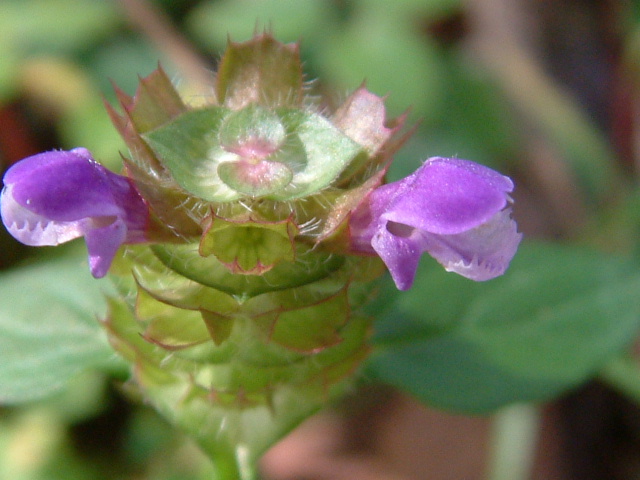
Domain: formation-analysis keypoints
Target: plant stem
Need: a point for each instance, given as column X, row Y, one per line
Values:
column 515, row 432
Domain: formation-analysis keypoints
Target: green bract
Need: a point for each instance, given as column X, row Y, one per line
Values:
column 220, row 155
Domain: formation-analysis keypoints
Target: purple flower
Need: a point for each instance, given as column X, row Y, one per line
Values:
column 54, row 197
column 453, row 209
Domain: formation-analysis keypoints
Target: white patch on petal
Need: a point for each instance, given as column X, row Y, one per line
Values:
column 490, row 247
column 476, row 270
column 32, row 229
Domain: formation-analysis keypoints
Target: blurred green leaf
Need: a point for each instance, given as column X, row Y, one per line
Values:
column 555, row 113
column 552, row 321
column 421, row 8
column 34, row 446
column 9, row 69
column 561, row 314
column 584, row 147
column 43, row 26
column 49, row 329
column 448, row 372
column 291, row 20
column 390, row 56
column 90, row 126
column 123, row 60
column 30, row 28
column 84, row 396
column 479, row 124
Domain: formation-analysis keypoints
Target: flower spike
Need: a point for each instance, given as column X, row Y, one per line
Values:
column 54, row 197
column 453, row 209
column 260, row 219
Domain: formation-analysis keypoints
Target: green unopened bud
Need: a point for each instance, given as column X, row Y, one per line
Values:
column 252, row 133
column 247, row 246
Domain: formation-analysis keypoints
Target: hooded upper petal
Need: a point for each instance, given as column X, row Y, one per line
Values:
column 448, row 196
column 453, row 209
column 54, row 197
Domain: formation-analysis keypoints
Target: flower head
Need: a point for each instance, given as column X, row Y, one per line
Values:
column 453, row 209
column 54, row 197
column 259, row 215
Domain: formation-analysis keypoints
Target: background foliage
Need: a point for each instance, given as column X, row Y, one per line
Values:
column 567, row 310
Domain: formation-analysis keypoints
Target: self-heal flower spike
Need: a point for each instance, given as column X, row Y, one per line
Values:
column 453, row 209
column 54, row 197
column 260, row 220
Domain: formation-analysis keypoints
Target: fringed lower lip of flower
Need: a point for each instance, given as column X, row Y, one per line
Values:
column 54, row 197
column 455, row 210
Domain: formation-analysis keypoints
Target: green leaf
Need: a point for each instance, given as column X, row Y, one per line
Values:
column 561, row 314
column 448, row 372
column 49, row 329
column 551, row 322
